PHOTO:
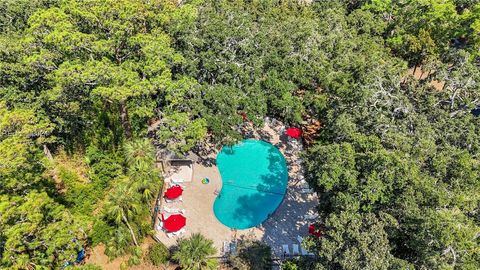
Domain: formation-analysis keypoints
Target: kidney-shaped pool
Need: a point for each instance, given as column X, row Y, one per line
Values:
column 254, row 181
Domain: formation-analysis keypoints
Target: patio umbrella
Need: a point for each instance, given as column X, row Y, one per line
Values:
column 174, row 222
column 173, row 192
column 294, row 133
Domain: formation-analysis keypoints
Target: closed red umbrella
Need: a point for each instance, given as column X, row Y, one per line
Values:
column 173, row 192
column 294, row 133
column 174, row 222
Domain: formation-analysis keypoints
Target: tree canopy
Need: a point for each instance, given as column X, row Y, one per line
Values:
column 90, row 90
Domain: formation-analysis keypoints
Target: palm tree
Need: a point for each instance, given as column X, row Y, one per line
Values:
column 140, row 156
column 122, row 205
column 139, row 151
column 145, row 180
column 193, row 253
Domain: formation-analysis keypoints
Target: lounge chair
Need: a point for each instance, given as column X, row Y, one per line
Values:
column 306, row 190
column 285, row 250
column 233, row 248
column 300, row 239
column 170, row 235
column 226, row 247
column 173, row 210
column 180, row 232
column 304, row 185
column 305, row 252
column 295, row 250
column 310, row 216
column 179, row 199
column 172, row 184
column 177, row 181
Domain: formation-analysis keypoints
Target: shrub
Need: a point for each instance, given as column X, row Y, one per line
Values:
column 101, row 232
column 290, row 265
column 251, row 255
column 158, row 254
column 135, row 259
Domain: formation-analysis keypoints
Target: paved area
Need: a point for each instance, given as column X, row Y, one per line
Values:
column 284, row 225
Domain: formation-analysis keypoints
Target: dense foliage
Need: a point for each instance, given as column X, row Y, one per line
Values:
column 396, row 163
column 250, row 254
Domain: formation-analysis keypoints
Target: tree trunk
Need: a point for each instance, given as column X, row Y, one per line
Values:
column 47, row 152
column 127, row 129
column 131, row 230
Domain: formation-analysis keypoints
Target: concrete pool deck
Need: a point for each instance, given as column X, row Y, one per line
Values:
column 283, row 226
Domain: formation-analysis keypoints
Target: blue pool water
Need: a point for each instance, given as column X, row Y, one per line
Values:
column 254, row 180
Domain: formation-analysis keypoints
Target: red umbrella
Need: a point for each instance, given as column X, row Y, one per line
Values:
column 313, row 231
column 174, row 222
column 294, row 133
column 173, row 192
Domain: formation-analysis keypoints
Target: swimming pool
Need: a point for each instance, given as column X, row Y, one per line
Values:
column 254, row 181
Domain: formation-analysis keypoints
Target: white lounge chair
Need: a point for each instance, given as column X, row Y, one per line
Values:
column 180, row 232
column 310, row 216
column 177, row 181
column 305, row 252
column 173, row 210
column 286, row 250
column 306, row 190
column 233, row 247
column 172, row 184
column 179, row 199
column 226, row 247
column 295, row 250
column 300, row 239
column 304, row 186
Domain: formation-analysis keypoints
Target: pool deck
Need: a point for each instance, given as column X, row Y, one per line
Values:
column 283, row 227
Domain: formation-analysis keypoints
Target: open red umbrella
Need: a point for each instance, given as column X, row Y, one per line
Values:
column 173, row 192
column 174, row 222
column 313, row 231
column 294, row 132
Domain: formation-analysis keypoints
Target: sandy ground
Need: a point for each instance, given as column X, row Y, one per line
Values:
column 421, row 75
column 97, row 256
column 282, row 227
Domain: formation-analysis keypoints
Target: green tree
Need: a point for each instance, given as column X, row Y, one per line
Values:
column 21, row 135
column 119, row 64
column 193, row 253
column 143, row 175
column 355, row 241
column 251, row 255
column 122, row 205
column 38, row 232
column 14, row 14
column 419, row 31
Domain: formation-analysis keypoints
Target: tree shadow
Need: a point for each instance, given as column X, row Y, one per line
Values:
column 252, row 254
column 267, row 194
